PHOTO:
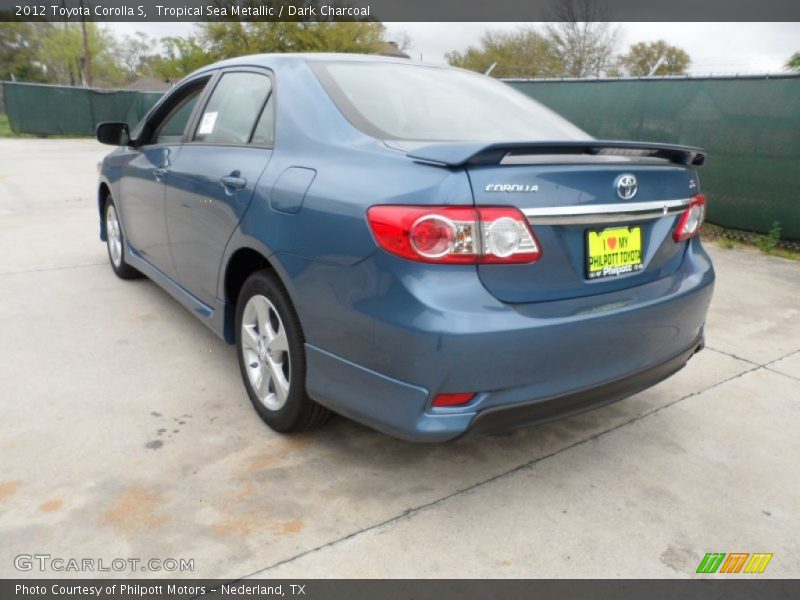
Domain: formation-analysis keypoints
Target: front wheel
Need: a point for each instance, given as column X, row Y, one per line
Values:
column 115, row 243
column 272, row 358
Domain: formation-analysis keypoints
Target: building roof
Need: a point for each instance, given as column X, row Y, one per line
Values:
column 392, row 49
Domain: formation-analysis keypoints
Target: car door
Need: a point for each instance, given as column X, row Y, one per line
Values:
column 211, row 180
column 143, row 178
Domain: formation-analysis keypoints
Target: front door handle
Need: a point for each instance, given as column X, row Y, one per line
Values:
column 159, row 173
column 234, row 181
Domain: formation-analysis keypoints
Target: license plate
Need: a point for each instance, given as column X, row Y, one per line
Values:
column 613, row 252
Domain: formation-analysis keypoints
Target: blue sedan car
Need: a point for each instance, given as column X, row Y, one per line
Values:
column 419, row 248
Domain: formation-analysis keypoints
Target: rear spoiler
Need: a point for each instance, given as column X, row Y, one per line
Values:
column 463, row 154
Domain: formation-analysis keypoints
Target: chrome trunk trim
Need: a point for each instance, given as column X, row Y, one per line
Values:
column 604, row 213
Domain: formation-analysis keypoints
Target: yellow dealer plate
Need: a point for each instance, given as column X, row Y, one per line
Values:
column 613, row 252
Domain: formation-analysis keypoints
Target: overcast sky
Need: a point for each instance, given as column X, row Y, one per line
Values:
column 719, row 48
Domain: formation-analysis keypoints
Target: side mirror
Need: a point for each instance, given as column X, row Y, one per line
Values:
column 113, row 133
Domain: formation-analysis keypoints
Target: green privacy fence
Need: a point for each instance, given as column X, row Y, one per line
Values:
column 60, row 110
column 750, row 127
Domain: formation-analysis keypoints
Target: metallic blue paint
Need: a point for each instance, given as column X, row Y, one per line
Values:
column 561, row 273
column 291, row 188
column 384, row 335
column 202, row 213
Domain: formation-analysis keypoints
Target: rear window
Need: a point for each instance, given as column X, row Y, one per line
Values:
column 415, row 102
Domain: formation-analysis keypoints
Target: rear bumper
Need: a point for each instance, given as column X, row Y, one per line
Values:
column 543, row 410
column 526, row 364
column 404, row 411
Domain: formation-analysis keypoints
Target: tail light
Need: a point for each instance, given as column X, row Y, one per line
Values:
column 452, row 399
column 691, row 219
column 454, row 234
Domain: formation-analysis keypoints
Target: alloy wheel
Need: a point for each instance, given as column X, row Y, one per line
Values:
column 113, row 235
column 265, row 349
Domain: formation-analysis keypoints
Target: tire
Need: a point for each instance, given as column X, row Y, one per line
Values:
column 272, row 360
column 115, row 243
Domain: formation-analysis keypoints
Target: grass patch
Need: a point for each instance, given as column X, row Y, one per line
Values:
column 784, row 253
column 6, row 132
column 769, row 243
column 5, row 127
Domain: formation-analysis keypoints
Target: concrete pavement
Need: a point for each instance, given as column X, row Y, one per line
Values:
column 127, row 434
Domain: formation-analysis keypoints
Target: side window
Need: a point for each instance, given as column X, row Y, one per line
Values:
column 170, row 130
column 264, row 134
column 233, row 108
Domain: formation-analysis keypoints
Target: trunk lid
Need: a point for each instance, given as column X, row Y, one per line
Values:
column 567, row 190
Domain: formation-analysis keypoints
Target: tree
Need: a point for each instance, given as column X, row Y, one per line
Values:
column 54, row 53
column 180, row 57
column 654, row 58
column 583, row 42
column 20, row 45
column 225, row 40
column 218, row 40
column 523, row 53
column 577, row 45
column 63, row 57
column 135, row 53
column 794, row 62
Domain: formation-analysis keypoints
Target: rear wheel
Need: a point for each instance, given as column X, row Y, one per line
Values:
column 272, row 358
column 115, row 243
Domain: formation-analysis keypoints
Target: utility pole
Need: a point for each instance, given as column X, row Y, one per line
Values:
column 87, row 56
column 659, row 62
column 69, row 62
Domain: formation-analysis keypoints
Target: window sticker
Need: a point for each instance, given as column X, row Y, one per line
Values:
column 207, row 124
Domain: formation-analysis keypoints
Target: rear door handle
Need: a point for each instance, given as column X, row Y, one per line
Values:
column 233, row 181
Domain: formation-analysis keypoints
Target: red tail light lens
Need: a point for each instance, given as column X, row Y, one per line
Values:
column 452, row 399
column 454, row 234
column 691, row 219
column 444, row 234
column 433, row 236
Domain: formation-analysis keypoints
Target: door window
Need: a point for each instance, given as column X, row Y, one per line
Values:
column 264, row 134
column 232, row 110
column 171, row 128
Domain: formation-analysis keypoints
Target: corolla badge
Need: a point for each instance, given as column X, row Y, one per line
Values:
column 627, row 186
column 511, row 187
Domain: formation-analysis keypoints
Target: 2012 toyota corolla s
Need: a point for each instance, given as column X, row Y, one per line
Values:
column 419, row 248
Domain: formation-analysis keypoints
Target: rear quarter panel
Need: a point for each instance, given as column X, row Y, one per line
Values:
column 317, row 249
